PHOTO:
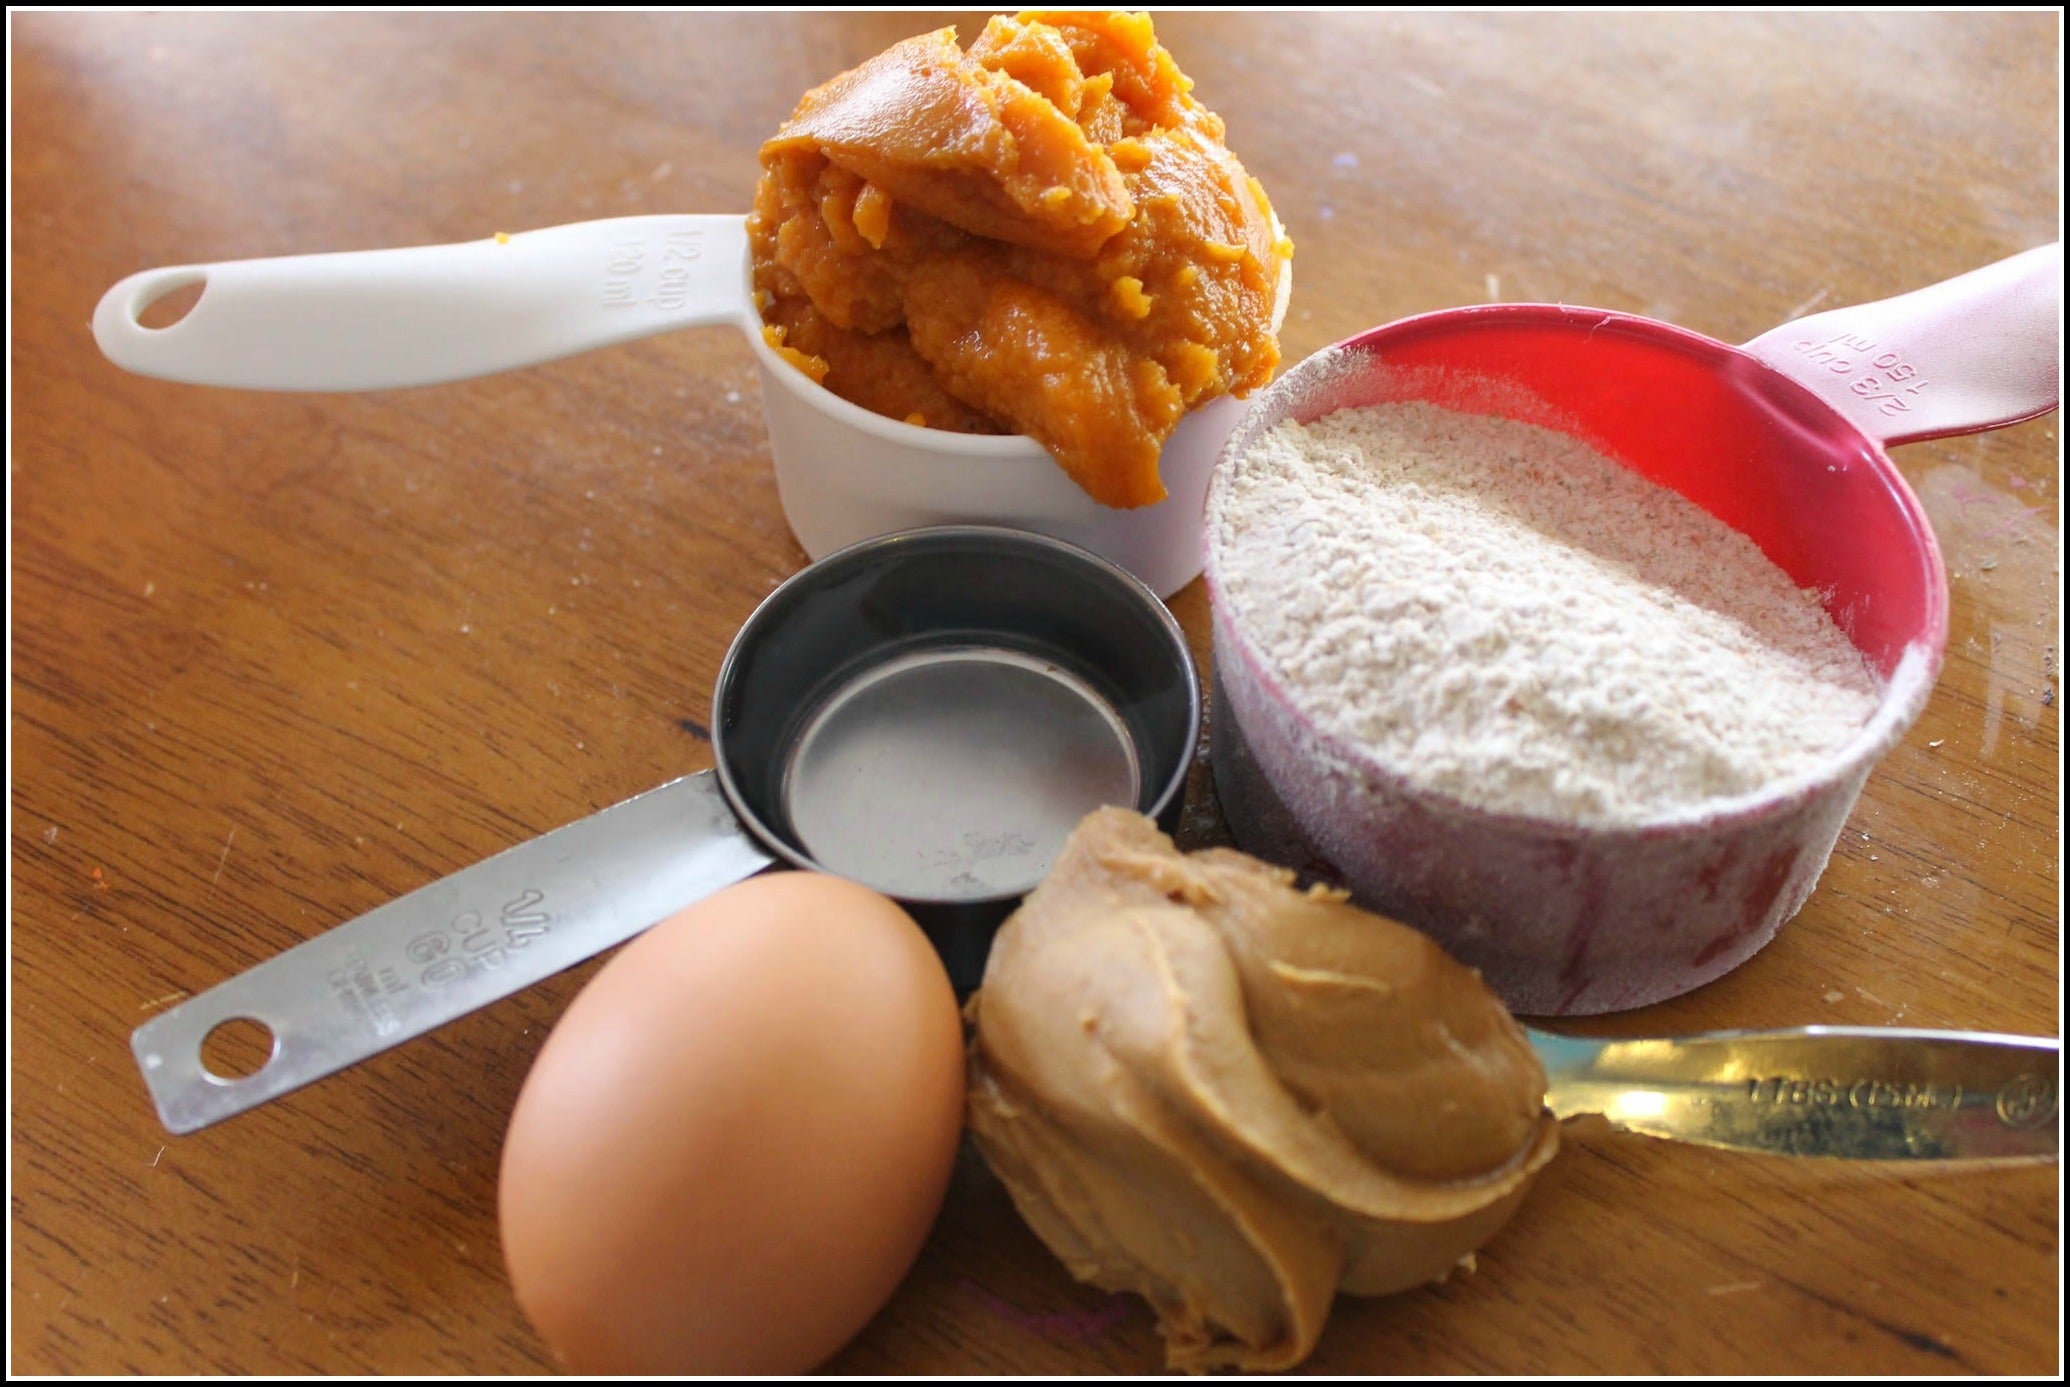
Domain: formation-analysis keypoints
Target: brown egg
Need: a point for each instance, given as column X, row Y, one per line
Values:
column 732, row 1146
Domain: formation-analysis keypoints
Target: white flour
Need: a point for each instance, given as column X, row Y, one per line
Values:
column 1502, row 613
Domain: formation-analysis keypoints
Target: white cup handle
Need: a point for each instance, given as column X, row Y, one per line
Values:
column 372, row 320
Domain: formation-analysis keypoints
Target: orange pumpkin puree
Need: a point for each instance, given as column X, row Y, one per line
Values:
column 1043, row 235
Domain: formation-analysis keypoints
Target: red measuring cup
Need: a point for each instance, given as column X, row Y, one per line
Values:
column 1783, row 439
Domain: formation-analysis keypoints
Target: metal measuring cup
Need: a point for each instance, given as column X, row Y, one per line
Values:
column 928, row 713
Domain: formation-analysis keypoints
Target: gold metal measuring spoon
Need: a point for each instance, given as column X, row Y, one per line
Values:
column 1856, row 1092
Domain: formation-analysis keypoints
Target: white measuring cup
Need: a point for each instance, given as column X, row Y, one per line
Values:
column 424, row 315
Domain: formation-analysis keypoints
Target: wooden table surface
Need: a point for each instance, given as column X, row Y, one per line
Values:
column 280, row 658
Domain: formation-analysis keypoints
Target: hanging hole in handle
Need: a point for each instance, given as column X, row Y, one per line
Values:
column 170, row 301
column 237, row 1049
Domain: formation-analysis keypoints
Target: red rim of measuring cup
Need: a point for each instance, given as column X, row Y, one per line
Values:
column 1522, row 356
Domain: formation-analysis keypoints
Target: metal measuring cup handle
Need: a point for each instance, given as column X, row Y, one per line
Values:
column 446, row 949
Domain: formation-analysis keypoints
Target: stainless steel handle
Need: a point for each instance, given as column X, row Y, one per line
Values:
column 1863, row 1093
column 446, row 949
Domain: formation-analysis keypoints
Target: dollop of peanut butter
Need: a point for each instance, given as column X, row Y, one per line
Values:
column 1235, row 1099
column 1043, row 235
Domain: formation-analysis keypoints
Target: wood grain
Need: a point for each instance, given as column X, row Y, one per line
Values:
column 279, row 658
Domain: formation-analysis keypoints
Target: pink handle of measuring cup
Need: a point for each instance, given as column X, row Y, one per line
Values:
column 1972, row 353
